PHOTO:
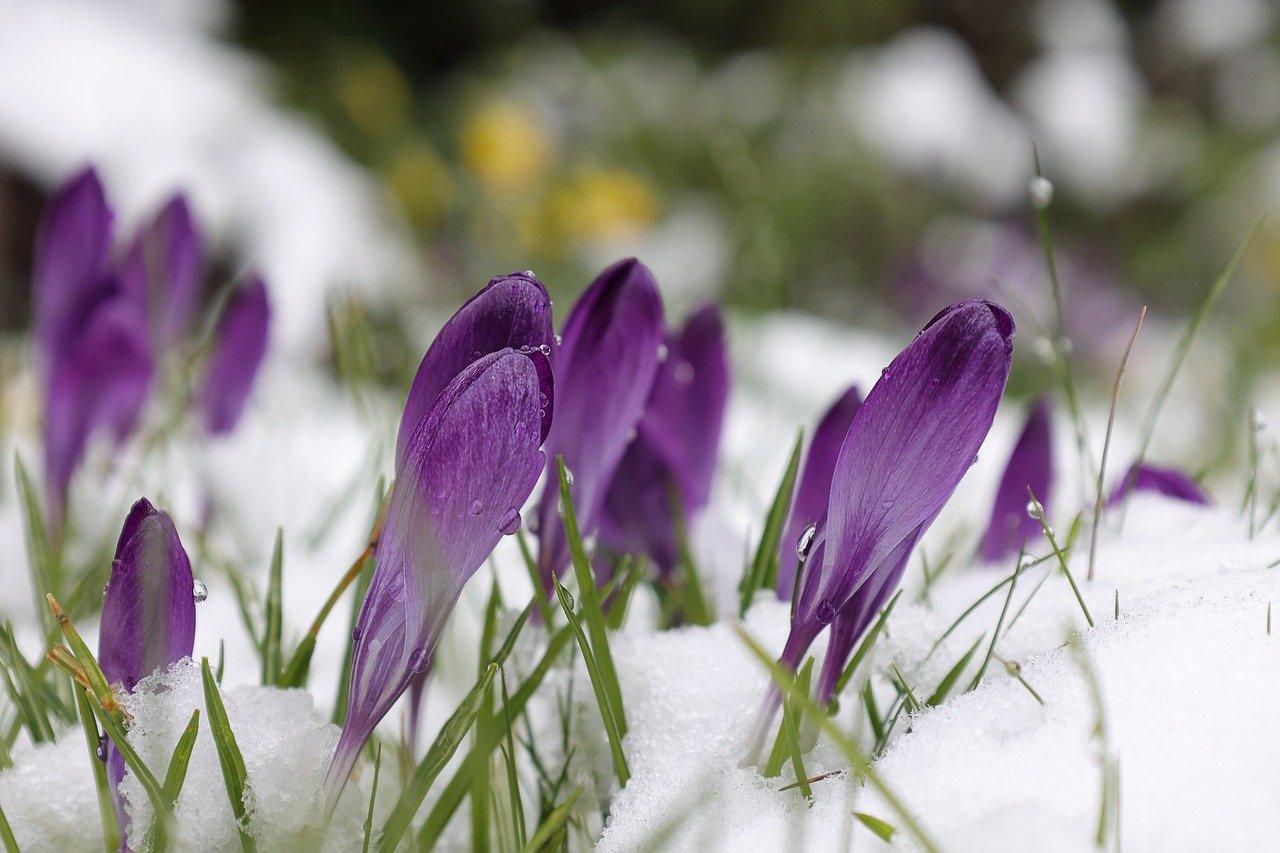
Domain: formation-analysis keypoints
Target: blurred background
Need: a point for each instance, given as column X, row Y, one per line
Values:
column 867, row 162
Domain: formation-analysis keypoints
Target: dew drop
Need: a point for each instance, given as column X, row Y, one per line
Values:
column 101, row 750
column 663, row 352
column 559, row 340
column 826, row 611
column 568, row 597
column 568, row 476
column 475, row 353
column 521, row 427
column 356, row 634
column 106, row 586
column 545, row 349
column 975, row 459
column 199, row 591
column 886, row 504
column 529, row 273
column 1041, row 190
column 539, row 307
column 885, row 373
column 805, row 542
column 510, row 522
column 475, row 507
column 1035, row 510
column 418, row 660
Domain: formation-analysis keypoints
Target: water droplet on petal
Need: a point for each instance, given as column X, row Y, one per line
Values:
column 663, row 352
column 826, row 611
column 475, row 507
column 529, row 273
column 886, row 504
column 356, row 634
column 805, row 542
column 1035, row 510
column 544, row 349
column 559, row 340
column 885, row 373
column 510, row 522
column 199, row 591
column 418, row 660
column 101, row 750
column 106, row 586
column 975, row 459
column 475, row 353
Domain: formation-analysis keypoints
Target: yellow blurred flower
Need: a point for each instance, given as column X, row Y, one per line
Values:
column 505, row 146
column 420, row 181
column 375, row 94
column 604, row 205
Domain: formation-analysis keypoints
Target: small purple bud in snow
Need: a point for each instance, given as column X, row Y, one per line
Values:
column 675, row 445
column 909, row 445
column 148, row 614
column 163, row 271
column 467, row 449
column 1169, row 482
column 604, row 370
column 814, row 487
column 1030, row 466
column 239, row 344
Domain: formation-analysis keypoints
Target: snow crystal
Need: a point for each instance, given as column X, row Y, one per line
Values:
column 48, row 796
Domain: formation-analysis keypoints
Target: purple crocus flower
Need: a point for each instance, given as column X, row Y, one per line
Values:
column 1165, row 481
column 909, row 445
column 148, row 614
column 604, row 370
column 163, row 271
column 239, row 344
column 468, row 467
column 1030, row 466
column 814, row 487
column 510, row 311
column 675, row 445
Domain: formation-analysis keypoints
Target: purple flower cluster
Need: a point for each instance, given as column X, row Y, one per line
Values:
column 104, row 322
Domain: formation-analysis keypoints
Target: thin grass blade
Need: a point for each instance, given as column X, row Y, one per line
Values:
column 234, row 775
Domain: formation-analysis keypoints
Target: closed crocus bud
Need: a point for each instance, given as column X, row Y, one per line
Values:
column 1169, row 482
column 909, row 445
column 810, row 501
column 604, row 371
column 100, row 381
column 468, row 467
column 675, row 446
column 1030, row 467
column 239, row 344
column 148, row 614
column 163, row 271
column 511, row 311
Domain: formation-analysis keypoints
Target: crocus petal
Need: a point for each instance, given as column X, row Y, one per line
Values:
column 1030, row 466
column 239, row 344
column 912, row 440
column 675, row 447
column 101, row 382
column 469, row 465
column 814, row 487
column 72, row 253
column 163, row 271
column 148, row 614
column 511, row 311
column 1166, row 481
column 604, row 372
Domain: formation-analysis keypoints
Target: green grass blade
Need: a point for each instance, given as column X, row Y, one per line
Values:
column 176, row 776
column 883, row 831
column 457, row 788
column 1062, row 563
column 6, row 835
column 373, row 798
column 991, row 649
column 531, row 565
column 697, row 610
column 234, row 775
column 513, row 780
column 611, row 727
column 865, row 646
column 296, row 671
column 953, row 675
column 763, row 572
column 791, row 710
column 590, row 597
column 480, row 790
column 38, row 551
column 631, row 571
column 273, row 615
column 110, row 829
column 553, row 825
column 441, row 751
column 873, row 712
column 110, row 723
